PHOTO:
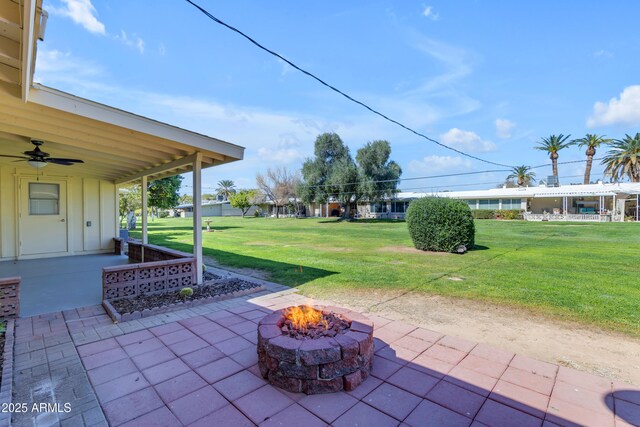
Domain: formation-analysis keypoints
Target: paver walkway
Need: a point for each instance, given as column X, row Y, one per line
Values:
column 197, row 367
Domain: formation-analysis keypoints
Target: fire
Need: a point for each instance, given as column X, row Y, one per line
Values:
column 302, row 317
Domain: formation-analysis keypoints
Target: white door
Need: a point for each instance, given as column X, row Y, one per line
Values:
column 43, row 217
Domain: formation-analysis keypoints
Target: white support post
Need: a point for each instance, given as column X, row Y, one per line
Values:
column 117, row 200
column 197, row 215
column 145, row 200
column 637, row 208
column 326, row 211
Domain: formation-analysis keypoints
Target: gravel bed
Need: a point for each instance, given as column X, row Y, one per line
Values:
column 208, row 289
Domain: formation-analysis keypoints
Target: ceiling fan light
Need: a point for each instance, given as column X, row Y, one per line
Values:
column 38, row 164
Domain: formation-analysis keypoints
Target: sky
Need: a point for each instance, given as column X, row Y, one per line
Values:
column 489, row 78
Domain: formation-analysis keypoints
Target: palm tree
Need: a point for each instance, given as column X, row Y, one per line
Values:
column 226, row 187
column 591, row 141
column 624, row 159
column 552, row 145
column 523, row 174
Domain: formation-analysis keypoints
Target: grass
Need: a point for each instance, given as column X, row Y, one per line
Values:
column 580, row 272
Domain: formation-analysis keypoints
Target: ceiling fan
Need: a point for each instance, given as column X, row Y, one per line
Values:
column 39, row 159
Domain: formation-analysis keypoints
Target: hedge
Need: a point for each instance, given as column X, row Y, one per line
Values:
column 440, row 224
column 497, row 214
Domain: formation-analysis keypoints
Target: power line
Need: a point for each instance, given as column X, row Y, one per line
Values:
column 399, row 179
column 333, row 88
column 564, row 163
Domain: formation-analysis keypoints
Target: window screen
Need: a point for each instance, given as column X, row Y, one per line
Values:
column 44, row 199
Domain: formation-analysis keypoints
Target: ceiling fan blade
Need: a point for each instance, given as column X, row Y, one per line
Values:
column 14, row 157
column 58, row 160
column 36, row 153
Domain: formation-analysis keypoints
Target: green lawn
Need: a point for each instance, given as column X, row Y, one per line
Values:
column 583, row 272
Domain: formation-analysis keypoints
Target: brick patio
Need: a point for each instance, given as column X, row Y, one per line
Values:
column 197, row 367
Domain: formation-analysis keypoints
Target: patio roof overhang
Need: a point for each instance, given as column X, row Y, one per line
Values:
column 115, row 145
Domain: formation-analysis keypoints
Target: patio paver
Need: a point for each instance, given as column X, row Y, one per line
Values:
column 198, row 367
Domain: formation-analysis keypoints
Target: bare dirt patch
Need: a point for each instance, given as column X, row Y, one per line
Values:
column 252, row 272
column 333, row 249
column 410, row 250
column 604, row 353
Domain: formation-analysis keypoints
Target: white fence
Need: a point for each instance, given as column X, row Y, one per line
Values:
column 567, row 217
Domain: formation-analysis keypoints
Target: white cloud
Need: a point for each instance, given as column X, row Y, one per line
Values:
column 602, row 53
column 286, row 68
column 81, row 12
column 57, row 66
column 465, row 140
column 624, row 110
column 162, row 50
column 504, row 128
column 134, row 41
column 431, row 164
column 429, row 13
column 456, row 61
column 288, row 150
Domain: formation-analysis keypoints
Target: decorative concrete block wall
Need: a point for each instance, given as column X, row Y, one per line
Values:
column 9, row 297
column 132, row 280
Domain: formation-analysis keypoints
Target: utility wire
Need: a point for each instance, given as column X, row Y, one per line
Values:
column 564, row 163
column 399, row 179
column 436, row 176
column 333, row 88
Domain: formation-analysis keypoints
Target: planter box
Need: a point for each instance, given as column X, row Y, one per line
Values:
column 147, row 312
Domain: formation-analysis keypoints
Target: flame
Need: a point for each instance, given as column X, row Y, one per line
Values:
column 302, row 317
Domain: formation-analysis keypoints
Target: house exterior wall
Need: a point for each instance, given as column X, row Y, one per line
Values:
column 91, row 213
column 218, row 209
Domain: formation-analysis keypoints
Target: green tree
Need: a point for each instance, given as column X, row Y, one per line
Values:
column 343, row 182
column 164, row 193
column 522, row 174
column 552, row 144
column 129, row 199
column 243, row 200
column 378, row 175
column 226, row 188
column 328, row 150
column 623, row 159
column 591, row 141
column 186, row 199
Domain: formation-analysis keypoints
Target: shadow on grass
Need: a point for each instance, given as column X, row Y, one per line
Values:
column 361, row 221
column 479, row 248
column 159, row 228
column 284, row 273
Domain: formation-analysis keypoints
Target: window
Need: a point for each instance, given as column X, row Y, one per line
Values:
column 511, row 204
column 472, row 203
column 44, row 199
column 398, row 207
column 378, row 207
column 490, row 204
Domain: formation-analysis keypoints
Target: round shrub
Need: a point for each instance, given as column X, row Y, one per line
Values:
column 186, row 292
column 440, row 224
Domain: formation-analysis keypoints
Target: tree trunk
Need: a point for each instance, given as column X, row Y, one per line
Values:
column 345, row 208
column 587, row 170
column 554, row 163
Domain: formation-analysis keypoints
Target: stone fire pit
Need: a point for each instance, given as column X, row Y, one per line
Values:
column 313, row 364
